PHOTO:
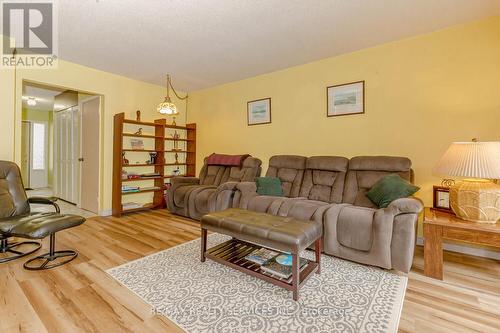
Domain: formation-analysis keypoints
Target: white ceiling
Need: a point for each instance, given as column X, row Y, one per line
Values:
column 44, row 97
column 203, row 43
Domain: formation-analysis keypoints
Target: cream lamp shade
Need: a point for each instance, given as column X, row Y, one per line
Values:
column 475, row 198
column 471, row 160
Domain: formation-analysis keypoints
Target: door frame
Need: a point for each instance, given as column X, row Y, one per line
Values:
column 26, row 182
column 99, row 119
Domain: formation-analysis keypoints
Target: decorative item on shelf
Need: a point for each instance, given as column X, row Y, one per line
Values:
column 345, row 99
column 447, row 182
column 441, row 198
column 137, row 144
column 176, row 172
column 259, row 112
column 475, row 198
column 176, row 138
column 176, row 158
column 124, row 159
column 124, row 175
column 152, row 157
column 139, row 131
column 167, row 107
column 138, row 115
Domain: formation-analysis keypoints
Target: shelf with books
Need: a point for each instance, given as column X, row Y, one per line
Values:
column 235, row 253
column 144, row 191
column 141, row 179
column 157, row 141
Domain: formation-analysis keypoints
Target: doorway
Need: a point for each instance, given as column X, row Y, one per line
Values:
column 59, row 135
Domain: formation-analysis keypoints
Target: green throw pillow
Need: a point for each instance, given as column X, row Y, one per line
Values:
column 390, row 188
column 269, row 186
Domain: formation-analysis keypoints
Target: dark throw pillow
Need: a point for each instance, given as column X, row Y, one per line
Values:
column 269, row 186
column 390, row 188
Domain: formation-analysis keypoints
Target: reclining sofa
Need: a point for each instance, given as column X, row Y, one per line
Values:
column 332, row 190
column 213, row 189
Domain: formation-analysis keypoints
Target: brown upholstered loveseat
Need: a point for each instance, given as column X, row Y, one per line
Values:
column 332, row 190
column 193, row 197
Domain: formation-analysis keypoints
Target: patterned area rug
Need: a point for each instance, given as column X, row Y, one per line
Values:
column 210, row 297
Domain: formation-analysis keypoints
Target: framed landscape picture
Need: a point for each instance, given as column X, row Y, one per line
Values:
column 259, row 111
column 346, row 99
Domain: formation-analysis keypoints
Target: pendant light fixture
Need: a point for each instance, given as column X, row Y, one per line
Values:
column 167, row 107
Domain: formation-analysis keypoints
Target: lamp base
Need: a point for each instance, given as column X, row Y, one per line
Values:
column 476, row 200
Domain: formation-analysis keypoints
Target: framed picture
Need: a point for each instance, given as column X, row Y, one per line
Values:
column 345, row 99
column 441, row 196
column 259, row 111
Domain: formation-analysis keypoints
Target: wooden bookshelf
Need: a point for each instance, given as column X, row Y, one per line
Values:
column 163, row 145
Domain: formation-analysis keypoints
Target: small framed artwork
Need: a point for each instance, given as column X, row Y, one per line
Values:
column 441, row 199
column 259, row 111
column 345, row 99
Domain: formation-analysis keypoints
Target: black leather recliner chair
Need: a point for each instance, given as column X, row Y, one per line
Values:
column 17, row 220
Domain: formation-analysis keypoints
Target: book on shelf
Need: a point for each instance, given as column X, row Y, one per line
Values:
column 130, row 189
column 147, row 188
column 150, row 174
column 131, row 205
column 260, row 256
column 283, row 271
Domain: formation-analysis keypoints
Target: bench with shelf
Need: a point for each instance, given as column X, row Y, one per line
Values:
column 159, row 139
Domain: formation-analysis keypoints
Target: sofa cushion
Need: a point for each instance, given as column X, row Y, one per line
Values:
column 264, row 203
column 180, row 197
column 223, row 159
column 389, row 188
column 269, row 186
column 354, row 227
column 303, row 209
column 212, row 174
column 290, row 170
column 324, row 178
column 365, row 171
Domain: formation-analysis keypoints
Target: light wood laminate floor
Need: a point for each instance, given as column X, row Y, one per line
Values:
column 81, row 297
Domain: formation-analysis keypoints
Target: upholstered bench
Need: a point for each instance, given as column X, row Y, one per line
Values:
column 285, row 234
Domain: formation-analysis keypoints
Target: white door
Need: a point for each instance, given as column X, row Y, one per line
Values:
column 25, row 152
column 66, row 153
column 89, row 160
column 39, row 170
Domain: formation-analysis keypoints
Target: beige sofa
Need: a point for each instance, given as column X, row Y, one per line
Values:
column 332, row 190
column 193, row 197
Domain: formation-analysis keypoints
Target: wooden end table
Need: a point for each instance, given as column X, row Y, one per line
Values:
column 440, row 225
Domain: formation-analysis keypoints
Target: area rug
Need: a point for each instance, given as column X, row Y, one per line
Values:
column 210, row 297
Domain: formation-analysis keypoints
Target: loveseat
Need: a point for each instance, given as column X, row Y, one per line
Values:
column 332, row 190
column 195, row 196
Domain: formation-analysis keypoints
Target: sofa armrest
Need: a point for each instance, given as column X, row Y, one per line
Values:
column 247, row 190
column 222, row 197
column 230, row 186
column 409, row 205
column 179, row 181
column 247, row 187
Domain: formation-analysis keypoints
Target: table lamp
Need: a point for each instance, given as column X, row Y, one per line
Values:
column 475, row 198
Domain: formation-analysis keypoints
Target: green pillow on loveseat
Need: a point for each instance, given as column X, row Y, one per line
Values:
column 390, row 188
column 269, row 186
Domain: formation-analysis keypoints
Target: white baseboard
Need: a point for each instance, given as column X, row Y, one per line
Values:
column 105, row 212
column 473, row 251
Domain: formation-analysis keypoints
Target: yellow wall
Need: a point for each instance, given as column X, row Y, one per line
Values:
column 120, row 94
column 422, row 93
column 47, row 116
